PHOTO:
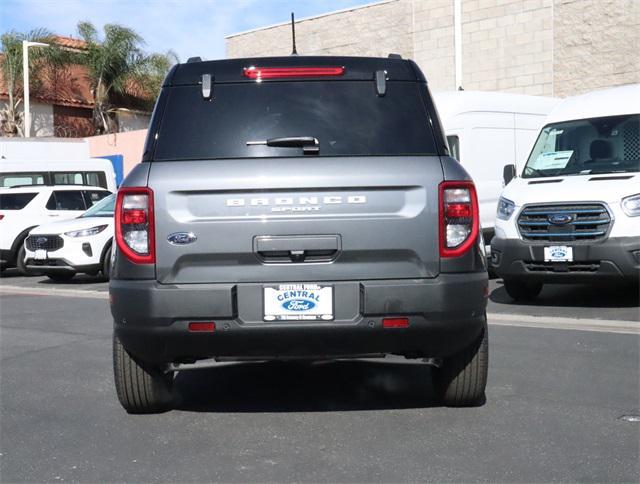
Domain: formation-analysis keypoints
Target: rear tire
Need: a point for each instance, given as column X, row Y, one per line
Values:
column 141, row 387
column 462, row 378
column 522, row 290
column 60, row 276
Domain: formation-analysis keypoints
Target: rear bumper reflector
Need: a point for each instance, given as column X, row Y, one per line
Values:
column 395, row 323
column 202, row 327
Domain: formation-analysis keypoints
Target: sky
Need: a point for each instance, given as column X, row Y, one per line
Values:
column 188, row 27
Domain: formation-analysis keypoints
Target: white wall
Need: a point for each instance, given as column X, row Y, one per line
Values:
column 132, row 121
column 41, row 118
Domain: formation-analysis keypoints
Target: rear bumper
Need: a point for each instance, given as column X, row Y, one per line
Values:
column 611, row 259
column 445, row 315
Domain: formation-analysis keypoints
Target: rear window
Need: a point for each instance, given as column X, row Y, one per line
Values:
column 91, row 197
column 66, row 200
column 15, row 201
column 17, row 179
column 347, row 117
column 67, row 178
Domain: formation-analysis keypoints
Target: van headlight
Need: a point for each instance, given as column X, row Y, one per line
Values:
column 505, row 209
column 631, row 205
column 86, row 232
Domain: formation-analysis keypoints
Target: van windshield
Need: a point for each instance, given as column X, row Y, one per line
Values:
column 346, row 117
column 586, row 147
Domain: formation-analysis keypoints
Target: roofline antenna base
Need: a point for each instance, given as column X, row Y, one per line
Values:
column 293, row 35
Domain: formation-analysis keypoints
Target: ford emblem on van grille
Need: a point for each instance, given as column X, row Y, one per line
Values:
column 182, row 238
column 559, row 218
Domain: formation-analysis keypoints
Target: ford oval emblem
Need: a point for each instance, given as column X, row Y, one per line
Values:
column 559, row 218
column 182, row 238
column 298, row 305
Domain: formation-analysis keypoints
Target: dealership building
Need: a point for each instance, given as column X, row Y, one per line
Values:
column 539, row 47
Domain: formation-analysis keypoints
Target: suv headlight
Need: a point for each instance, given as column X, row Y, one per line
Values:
column 505, row 209
column 631, row 205
column 86, row 232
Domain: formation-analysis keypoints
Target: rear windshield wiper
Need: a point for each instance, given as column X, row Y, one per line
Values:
column 309, row 144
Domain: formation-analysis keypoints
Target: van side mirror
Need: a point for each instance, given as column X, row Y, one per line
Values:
column 508, row 173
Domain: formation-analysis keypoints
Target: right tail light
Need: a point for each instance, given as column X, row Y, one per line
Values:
column 459, row 217
column 135, row 224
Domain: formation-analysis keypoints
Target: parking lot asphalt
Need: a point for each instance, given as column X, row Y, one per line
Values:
column 553, row 412
column 553, row 409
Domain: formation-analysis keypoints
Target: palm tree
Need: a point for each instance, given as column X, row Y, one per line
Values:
column 117, row 64
column 112, row 64
column 153, row 72
column 11, row 42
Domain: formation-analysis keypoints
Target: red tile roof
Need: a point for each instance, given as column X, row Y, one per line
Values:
column 69, row 42
column 70, row 85
column 67, row 86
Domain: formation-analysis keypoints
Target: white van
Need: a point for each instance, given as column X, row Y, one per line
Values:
column 95, row 172
column 41, row 148
column 487, row 130
column 573, row 215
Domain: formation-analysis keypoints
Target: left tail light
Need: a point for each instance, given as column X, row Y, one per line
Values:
column 135, row 224
column 459, row 217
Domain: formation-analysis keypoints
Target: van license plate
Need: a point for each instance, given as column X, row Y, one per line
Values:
column 40, row 254
column 558, row 253
column 298, row 302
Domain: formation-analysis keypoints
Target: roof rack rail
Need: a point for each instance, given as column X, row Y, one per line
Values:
column 40, row 185
column 191, row 60
column 394, row 56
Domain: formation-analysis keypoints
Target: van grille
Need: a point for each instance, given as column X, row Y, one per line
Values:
column 564, row 223
column 44, row 242
column 588, row 266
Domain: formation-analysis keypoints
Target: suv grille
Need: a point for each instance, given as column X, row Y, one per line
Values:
column 564, row 223
column 44, row 242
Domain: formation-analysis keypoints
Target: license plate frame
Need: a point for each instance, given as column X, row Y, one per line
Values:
column 298, row 302
column 558, row 253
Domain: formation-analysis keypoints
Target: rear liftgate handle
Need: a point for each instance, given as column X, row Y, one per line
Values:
column 296, row 248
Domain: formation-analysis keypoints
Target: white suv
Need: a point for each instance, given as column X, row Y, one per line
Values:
column 23, row 208
column 63, row 248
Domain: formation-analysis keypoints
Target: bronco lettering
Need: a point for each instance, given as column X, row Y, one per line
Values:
column 288, row 201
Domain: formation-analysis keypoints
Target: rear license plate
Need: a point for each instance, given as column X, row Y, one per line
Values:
column 298, row 302
column 40, row 254
column 558, row 253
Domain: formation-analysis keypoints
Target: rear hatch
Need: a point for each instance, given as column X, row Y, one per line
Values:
column 362, row 203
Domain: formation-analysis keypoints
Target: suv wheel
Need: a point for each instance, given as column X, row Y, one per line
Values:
column 522, row 291
column 141, row 388
column 462, row 378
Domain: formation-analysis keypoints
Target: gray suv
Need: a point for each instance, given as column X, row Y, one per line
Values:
column 297, row 208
